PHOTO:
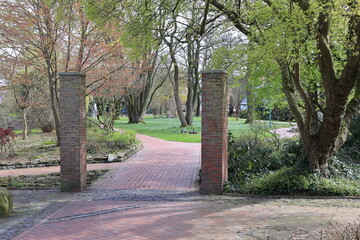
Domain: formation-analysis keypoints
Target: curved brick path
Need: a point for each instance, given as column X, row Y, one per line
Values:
column 160, row 165
column 161, row 168
column 151, row 197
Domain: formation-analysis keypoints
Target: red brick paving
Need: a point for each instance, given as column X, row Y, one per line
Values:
column 163, row 165
column 183, row 220
column 179, row 220
column 160, row 165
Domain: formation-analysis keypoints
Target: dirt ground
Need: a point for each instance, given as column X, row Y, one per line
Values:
column 38, row 147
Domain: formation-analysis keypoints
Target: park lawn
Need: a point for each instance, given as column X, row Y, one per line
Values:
column 168, row 128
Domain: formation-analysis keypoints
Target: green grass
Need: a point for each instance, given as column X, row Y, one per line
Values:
column 32, row 131
column 168, row 128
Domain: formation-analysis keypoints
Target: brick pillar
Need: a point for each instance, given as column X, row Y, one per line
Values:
column 214, row 156
column 72, row 131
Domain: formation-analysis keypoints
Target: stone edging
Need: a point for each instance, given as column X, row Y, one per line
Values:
column 106, row 158
column 32, row 220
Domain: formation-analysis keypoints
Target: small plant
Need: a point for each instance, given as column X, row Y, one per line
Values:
column 335, row 231
column 98, row 139
column 50, row 143
column 6, row 138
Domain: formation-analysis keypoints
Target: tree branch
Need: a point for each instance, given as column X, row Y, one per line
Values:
column 233, row 16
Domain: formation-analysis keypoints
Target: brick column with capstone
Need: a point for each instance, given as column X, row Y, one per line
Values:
column 72, row 131
column 214, row 155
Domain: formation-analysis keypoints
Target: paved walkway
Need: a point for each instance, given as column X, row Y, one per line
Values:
column 286, row 132
column 153, row 195
column 161, row 165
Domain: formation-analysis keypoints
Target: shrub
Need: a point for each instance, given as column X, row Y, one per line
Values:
column 347, row 160
column 343, row 169
column 350, row 151
column 337, row 231
column 6, row 138
column 6, row 202
column 296, row 181
column 334, row 231
column 276, row 166
column 252, row 156
column 98, row 139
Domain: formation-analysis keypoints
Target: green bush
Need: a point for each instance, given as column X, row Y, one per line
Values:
column 344, row 169
column 98, row 139
column 295, row 181
column 6, row 202
column 278, row 166
column 251, row 156
column 347, row 160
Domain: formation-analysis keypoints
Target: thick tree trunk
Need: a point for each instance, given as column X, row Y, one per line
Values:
column 323, row 141
column 189, row 106
column 193, row 77
column 137, row 100
column 135, row 108
column 135, row 116
column 321, row 145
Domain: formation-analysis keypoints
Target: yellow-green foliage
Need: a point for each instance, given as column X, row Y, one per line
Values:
column 6, row 202
column 293, row 181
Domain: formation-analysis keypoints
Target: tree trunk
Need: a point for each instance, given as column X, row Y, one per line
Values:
column 317, row 157
column 194, row 45
column 135, row 108
column 321, row 144
column 24, row 111
column 189, row 106
column 176, row 83
column 135, row 115
column 54, row 107
column 137, row 100
column 238, row 105
column 250, row 118
column 176, row 88
column 198, row 104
